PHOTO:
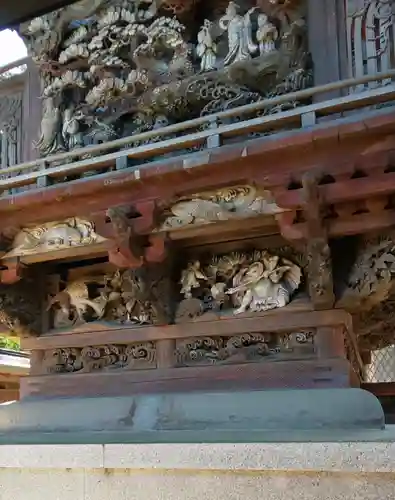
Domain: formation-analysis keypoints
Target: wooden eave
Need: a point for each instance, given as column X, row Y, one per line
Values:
column 337, row 148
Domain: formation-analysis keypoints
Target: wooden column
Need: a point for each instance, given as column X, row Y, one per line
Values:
column 327, row 43
column 31, row 112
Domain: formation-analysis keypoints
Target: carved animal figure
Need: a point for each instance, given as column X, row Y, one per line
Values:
column 72, row 232
column 75, row 297
column 265, row 284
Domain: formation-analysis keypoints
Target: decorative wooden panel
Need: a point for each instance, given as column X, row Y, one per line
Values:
column 370, row 37
column 10, row 129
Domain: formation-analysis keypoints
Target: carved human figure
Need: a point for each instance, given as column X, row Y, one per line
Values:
column 266, row 34
column 49, row 142
column 239, row 30
column 206, row 48
column 71, row 129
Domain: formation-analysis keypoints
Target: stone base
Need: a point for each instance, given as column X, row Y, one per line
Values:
column 248, row 416
column 276, row 471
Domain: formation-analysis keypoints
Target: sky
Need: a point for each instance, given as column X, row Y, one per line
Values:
column 12, row 47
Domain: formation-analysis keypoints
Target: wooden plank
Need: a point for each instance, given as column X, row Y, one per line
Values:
column 329, row 342
column 278, row 321
column 9, row 395
column 380, row 389
column 296, row 374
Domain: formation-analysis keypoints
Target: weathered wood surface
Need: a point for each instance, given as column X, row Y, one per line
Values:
column 260, row 124
column 206, row 325
column 301, row 374
column 334, row 149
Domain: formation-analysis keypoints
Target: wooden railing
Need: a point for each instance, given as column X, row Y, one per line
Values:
column 202, row 133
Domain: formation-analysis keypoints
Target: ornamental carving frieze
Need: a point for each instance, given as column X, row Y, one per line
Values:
column 236, row 202
column 238, row 282
column 133, row 356
column 245, row 348
column 60, row 235
column 144, row 58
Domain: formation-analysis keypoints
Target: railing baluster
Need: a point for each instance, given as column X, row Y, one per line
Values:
column 121, row 162
column 213, row 141
column 308, row 119
column 43, row 180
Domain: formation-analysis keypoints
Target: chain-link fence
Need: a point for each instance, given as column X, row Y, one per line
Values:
column 382, row 367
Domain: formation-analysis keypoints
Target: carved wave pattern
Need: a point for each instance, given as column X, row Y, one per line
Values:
column 136, row 356
column 246, row 348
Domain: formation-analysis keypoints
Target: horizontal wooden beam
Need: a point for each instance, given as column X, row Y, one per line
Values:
column 347, row 190
column 310, row 374
column 207, row 325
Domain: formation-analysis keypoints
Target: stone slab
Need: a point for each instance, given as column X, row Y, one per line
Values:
column 264, row 415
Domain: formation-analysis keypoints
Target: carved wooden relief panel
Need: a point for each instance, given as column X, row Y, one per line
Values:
column 10, row 129
column 52, row 236
column 134, row 356
column 231, row 203
column 245, row 348
column 115, row 68
column 370, row 37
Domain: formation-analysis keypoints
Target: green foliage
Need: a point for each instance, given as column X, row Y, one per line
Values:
column 9, row 343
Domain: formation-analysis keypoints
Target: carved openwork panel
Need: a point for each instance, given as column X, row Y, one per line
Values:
column 10, row 129
column 370, row 37
column 238, row 282
column 115, row 68
column 128, row 297
column 134, row 356
column 245, row 348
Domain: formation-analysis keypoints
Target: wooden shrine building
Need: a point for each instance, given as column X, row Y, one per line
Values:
column 199, row 196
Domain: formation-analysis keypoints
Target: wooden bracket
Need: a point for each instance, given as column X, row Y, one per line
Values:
column 127, row 229
column 319, row 267
column 13, row 271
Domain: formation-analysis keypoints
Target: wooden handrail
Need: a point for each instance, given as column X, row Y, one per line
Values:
column 183, row 126
column 14, row 64
column 260, row 123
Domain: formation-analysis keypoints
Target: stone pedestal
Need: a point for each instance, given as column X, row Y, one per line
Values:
column 249, row 416
column 274, row 471
column 313, row 444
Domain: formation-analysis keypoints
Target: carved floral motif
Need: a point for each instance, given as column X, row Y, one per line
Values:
column 134, row 356
column 54, row 236
column 245, row 348
column 257, row 281
column 226, row 204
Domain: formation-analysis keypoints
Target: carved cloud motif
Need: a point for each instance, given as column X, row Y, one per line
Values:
column 51, row 236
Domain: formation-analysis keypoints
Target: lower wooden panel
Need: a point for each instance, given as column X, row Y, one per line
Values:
column 296, row 374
